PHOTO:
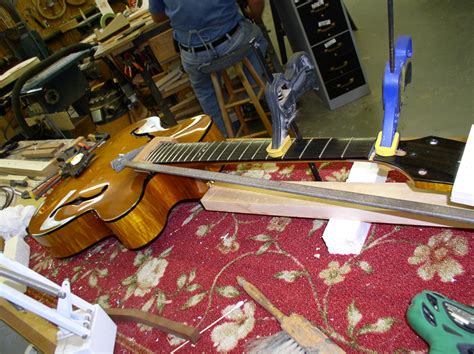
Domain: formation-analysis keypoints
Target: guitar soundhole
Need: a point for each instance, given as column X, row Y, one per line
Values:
column 79, row 200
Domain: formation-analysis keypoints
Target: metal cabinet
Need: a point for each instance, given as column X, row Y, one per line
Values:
column 321, row 28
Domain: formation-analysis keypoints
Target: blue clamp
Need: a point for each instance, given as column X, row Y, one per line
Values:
column 394, row 84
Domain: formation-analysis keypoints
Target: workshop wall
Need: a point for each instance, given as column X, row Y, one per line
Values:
column 50, row 22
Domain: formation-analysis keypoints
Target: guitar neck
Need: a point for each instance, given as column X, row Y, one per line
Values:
column 254, row 150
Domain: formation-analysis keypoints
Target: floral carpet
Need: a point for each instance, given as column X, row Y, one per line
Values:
column 188, row 274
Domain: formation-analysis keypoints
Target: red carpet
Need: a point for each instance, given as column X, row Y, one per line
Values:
column 188, row 274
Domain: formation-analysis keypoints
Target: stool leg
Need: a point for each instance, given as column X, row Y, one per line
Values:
column 254, row 98
column 220, row 100
column 258, row 80
column 238, row 112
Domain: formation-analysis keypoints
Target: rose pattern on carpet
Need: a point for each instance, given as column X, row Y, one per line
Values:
column 188, row 274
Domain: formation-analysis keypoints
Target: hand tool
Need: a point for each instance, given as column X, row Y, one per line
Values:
column 445, row 324
column 302, row 331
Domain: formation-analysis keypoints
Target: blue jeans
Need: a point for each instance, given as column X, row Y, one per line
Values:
column 201, row 82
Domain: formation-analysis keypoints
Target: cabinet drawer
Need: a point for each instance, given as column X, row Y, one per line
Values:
column 324, row 21
column 345, row 83
column 334, row 48
column 340, row 65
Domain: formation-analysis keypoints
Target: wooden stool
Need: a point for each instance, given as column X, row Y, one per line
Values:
column 238, row 96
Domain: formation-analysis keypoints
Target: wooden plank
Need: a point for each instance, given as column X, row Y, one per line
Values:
column 8, row 178
column 28, row 168
column 33, row 328
column 14, row 73
column 162, row 323
column 252, row 201
column 39, row 153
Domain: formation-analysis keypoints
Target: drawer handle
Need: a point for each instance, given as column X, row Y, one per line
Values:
column 325, row 29
column 342, row 66
column 348, row 83
column 333, row 48
column 321, row 8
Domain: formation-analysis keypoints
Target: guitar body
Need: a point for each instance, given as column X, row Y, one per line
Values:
column 101, row 202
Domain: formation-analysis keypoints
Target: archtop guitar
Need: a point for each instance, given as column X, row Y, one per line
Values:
column 134, row 206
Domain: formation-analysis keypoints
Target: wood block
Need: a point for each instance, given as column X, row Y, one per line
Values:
column 239, row 199
column 348, row 236
column 40, row 153
column 463, row 188
column 33, row 328
column 8, row 178
column 162, row 46
column 28, row 168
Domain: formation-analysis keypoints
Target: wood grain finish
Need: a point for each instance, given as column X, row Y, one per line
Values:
column 80, row 233
column 36, row 330
column 162, row 323
column 101, row 202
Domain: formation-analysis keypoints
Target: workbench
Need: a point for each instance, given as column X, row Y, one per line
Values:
column 142, row 28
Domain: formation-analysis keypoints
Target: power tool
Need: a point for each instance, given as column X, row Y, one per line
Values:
column 445, row 324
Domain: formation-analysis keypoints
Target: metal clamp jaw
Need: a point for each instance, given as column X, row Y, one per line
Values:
column 283, row 93
column 394, row 84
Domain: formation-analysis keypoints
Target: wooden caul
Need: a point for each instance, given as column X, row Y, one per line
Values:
column 134, row 206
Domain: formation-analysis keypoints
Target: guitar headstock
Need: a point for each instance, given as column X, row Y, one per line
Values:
column 427, row 161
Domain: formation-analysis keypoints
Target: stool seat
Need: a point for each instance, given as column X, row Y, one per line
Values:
column 247, row 93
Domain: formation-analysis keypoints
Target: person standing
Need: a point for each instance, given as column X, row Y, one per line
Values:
column 206, row 30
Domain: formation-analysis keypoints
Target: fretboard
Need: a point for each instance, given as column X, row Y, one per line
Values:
column 254, row 150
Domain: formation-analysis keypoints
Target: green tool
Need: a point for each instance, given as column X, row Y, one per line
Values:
column 446, row 325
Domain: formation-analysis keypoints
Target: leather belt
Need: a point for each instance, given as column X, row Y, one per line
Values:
column 213, row 43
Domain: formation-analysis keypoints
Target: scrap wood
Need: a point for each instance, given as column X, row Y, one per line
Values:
column 35, row 329
column 9, row 178
column 28, row 168
column 162, row 323
column 39, row 153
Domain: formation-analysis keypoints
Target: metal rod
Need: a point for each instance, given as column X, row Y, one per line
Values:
column 30, row 282
column 391, row 35
column 261, row 60
column 423, row 209
column 312, row 165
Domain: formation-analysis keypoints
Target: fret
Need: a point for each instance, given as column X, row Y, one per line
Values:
column 206, row 148
column 243, row 152
column 217, row 147
column 180, row 148
column 158, row 150
column 256, row 151
column 166, row 155
column 209, row 151
column 218, row 157
column 168, row 150
column 345, row 149
column 152, row 153
column 360, row 147
column 198, row 145
column 228, row 157
column 159, row 154
column 325, row 147
column 334, row 149
column 200, row 152
column 306, row 146
column 188, row 146
column 194, row 146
